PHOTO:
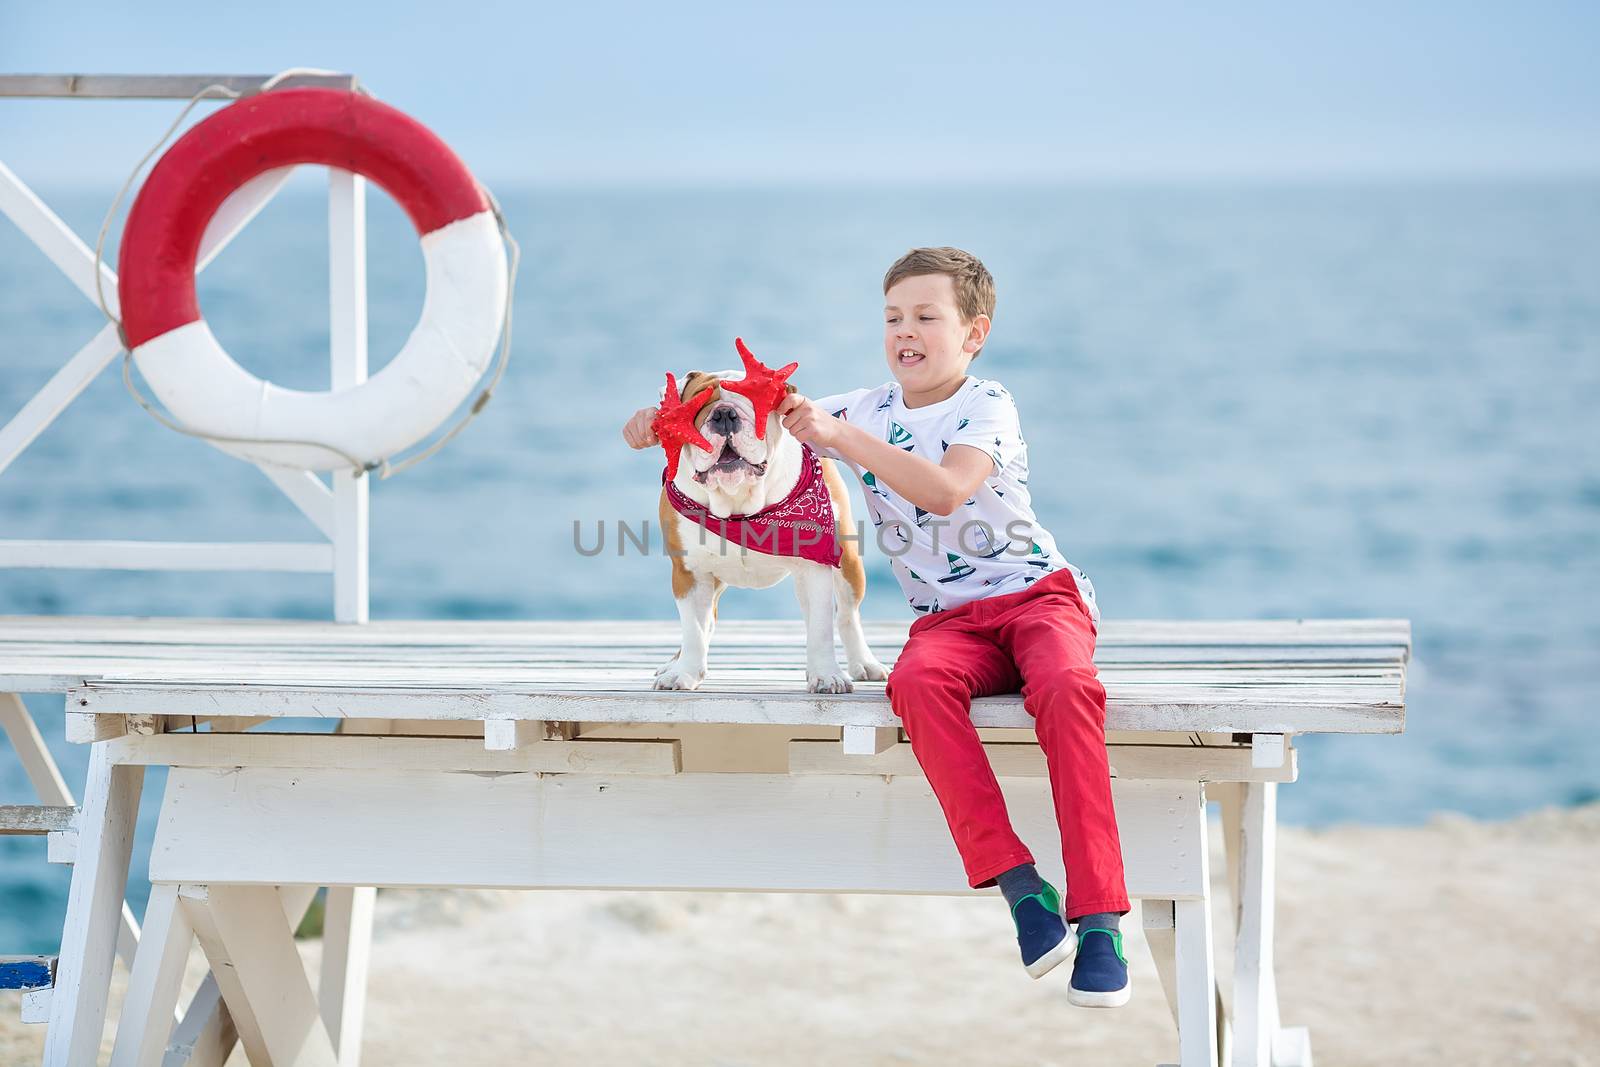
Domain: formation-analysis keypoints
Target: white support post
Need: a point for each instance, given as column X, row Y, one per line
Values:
column 258, row 970
column 94, row 911
column 347, row 278
column 347, row 919
column 1198, row 1038
column 1262, row 1042
column 347, row 928
column 151, row 1002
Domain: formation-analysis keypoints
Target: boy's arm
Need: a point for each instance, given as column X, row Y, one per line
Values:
column 939, row 488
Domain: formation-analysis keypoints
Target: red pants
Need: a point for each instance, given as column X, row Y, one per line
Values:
column 1042, row 639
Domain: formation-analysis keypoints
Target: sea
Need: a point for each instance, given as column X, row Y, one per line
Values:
column 1242, row 400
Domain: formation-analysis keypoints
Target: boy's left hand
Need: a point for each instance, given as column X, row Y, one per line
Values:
column 808, row 423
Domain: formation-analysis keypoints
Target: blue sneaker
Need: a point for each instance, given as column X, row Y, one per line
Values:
column 1100, row 977
column 1042, row 934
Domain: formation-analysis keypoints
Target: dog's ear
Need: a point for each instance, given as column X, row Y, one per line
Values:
column 693, row 382
column 789, row 387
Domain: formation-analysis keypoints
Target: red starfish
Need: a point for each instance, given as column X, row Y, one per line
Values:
column 674, row 423
column 763, row 386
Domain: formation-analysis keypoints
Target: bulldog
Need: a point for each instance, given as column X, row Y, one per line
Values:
column 759, row 489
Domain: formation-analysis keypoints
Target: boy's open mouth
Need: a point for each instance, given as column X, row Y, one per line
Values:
column 909, row 357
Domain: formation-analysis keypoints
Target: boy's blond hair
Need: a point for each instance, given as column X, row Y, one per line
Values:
column 973, row 284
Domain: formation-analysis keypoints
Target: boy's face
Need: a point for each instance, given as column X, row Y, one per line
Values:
column 924, row 339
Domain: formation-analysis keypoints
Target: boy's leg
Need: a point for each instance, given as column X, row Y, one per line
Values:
column 1052, row 641
column 931, row 687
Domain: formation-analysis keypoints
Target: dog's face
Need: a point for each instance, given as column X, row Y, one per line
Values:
column 737, row 463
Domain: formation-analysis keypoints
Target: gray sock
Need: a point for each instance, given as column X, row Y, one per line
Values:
column 1105, row 920
column 1019, row 882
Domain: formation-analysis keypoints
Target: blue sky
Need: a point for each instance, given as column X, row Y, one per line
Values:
column 822, row 92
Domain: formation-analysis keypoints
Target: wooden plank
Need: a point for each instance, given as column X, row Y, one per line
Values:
column 82, row 727
column 1026, row 760
column 28, row 743
column 869, row 740
column 293, row 557
column 61, row 390
column 55, row 239
column 27, row 972
column 346, row 953
column 1268, row 711
column 89, row 938
column 697, row 831
column 146, row 1018
column 258, row 970
column 153, row 86
column 36, row 818
column 357, row 752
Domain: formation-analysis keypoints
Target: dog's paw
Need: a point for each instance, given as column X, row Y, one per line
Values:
column 831, row 682
column 869, row 671
column 673, row 676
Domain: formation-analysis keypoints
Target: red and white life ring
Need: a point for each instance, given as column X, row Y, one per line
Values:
column 194, row 376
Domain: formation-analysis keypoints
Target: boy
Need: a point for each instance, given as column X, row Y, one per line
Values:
column 944, row 469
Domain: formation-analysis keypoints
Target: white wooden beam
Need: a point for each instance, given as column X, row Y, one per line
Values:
column 692, row 831
column 259, row 972
column 55, row 239
column 150, row 1004
column 347, row 334
column 61, row 390
column 346, row 951
column 94, row 910
column 291, row 556
column 305, row 491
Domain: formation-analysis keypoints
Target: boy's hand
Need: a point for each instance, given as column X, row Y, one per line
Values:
column 637, row 432
column 808, row 423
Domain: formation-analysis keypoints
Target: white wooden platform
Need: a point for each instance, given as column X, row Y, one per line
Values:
column 534, row 755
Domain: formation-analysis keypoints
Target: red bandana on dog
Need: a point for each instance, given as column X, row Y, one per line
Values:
column 801, row 524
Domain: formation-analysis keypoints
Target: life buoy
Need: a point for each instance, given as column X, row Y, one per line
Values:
column 203, row 386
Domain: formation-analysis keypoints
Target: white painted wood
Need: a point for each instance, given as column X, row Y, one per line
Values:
column 694, row 831
column 235, row 213
column 37, row 819
column 84, row 727
column 259, row 972
column 307, row 492
column 36, row 1005
column 869, row 740
column 149, row 1006
column 357, row 752
column 1267, row 750
column 290, row 556
column 94, row 911
column 30, row 748
column 1255, row 987
column 61, row 847
column 347, row 279
column 1192, row 710
column 508, row 735
column 342, row 993
column 1025, row 760
column 54, row 238
column 61, row 390
column 1196, row 970
column 205, row 1035
column 1160, row 933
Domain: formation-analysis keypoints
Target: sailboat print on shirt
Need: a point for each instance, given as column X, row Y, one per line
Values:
column 959, row 568
column 900, row 437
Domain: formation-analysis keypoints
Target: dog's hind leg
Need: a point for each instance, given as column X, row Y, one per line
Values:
column 863, row 665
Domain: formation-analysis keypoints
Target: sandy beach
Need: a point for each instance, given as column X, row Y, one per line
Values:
column 1396, row 946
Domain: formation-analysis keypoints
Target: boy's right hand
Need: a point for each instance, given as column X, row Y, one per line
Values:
column 637, row 432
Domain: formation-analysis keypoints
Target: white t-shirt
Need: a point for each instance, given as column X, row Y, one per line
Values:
column 991, row 544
